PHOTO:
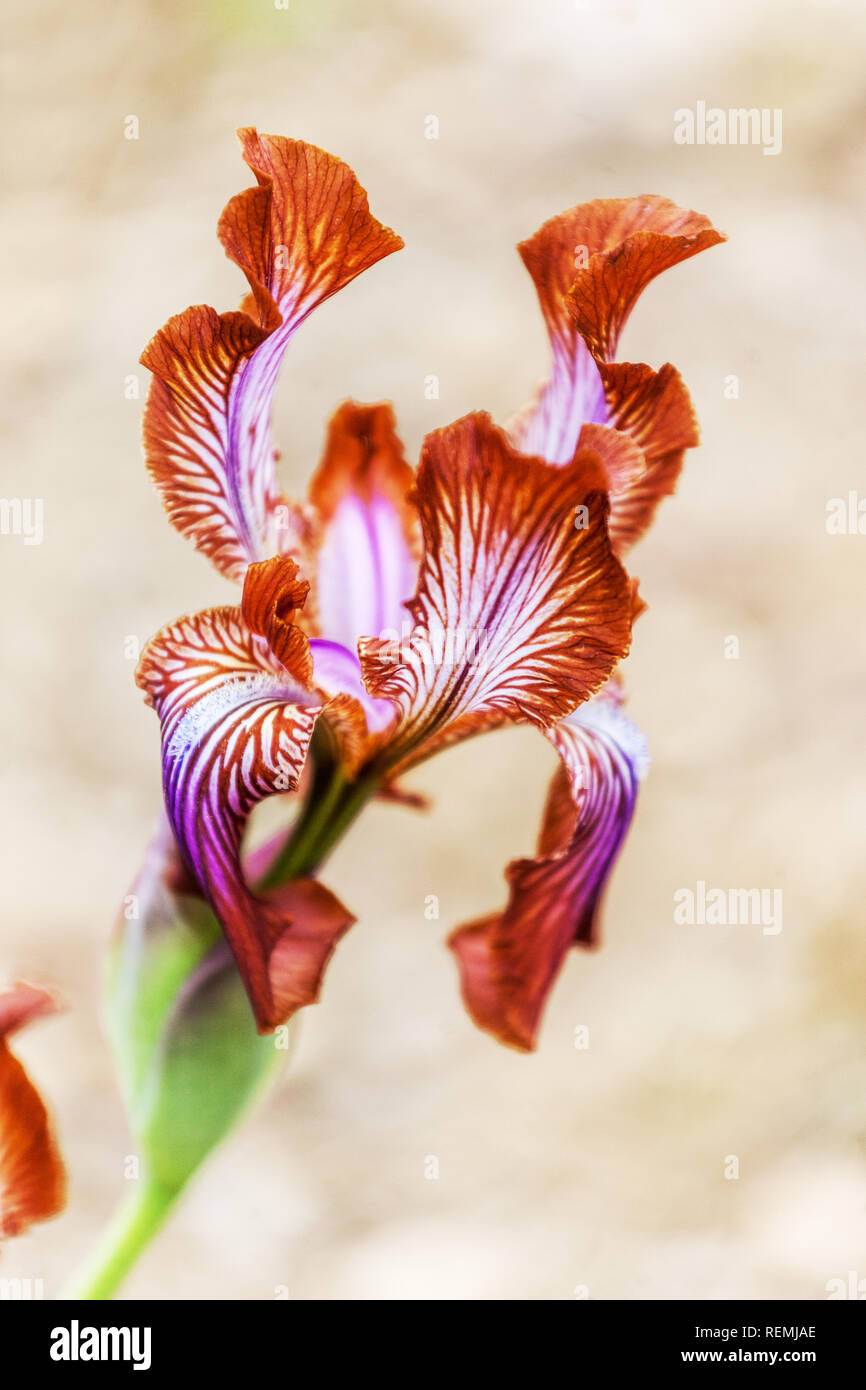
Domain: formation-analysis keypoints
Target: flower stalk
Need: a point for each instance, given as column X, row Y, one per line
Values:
column 333, row 803
column 128, row 1234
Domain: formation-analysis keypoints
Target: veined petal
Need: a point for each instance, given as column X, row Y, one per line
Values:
column 653, row 409
column 369, row 541
column 522, row 611
column 218, row 490
column 630, row 241
column 589, row 266
column 301, row 235
column 236, row 725
column 509, row 961
column 622, row 463
column 306, row 231
column 32, row 1176
column 272, row 601
column 272, row 596
column 550, row 425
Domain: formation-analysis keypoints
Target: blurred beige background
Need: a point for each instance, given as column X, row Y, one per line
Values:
column 604, row 1167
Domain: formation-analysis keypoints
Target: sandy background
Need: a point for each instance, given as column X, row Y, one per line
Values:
column 602, row 1168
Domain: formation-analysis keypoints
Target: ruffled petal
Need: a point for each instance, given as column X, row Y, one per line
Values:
column 273, row 595
column 236, row 726
column 301, row 235
column 32, row 1175
column 654, row 411
column 305, row 232
column 622, row 463
column 589, row 265
column 369, row 541
column 509, row 961
column 630, row 241
column 522, row 611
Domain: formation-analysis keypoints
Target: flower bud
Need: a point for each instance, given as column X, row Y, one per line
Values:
column 185, row 1041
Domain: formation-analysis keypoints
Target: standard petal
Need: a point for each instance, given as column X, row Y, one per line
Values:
column 509, row 961
column 522, row 611
column 369, row 538
column 218, row 490
column 589, row 266
column 550, row 425
column 301, row 235
column 32, row 1176
column 236, row 725
column 630, row 241
column 306, row 231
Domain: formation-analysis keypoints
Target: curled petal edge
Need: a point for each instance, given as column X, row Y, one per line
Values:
column 509, row 961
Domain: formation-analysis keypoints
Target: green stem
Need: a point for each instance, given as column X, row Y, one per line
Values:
column 324, row 819
column 133, row 1226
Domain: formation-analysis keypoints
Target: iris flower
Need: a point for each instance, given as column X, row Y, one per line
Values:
column 394, row 613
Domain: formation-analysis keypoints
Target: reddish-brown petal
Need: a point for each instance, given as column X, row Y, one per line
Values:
column 218, row 482
column 32, row 1176
column 301, row 235
column 522, row 611
column 235, row 729
column 300, row 955
column 589, row 266
column 337, row 674
column 246, row 230
column 364, row 458
column 654, row 410
column 630, row 242
column 344, row 719
column 402, row 795
column 307, row 230
column 272, row 597
column 622, row 462
column 509, row 961
column 369, row 537
column 550, row 425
